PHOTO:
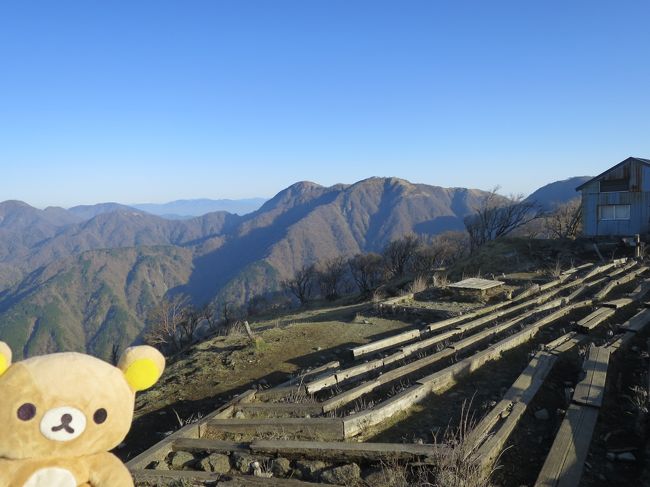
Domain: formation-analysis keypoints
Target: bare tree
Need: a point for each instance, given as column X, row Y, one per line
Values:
column 164, row 324
column 453, row 246
column 367, row 271
column 427, row 259
column 331, row 275
column 565, row 220
column 209, row 314
column 192, row 318
column 228, row 314
column 399, row 254
column 497, row 216
column 301, row 285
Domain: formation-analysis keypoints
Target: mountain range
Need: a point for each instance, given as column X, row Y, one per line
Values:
column 84, row 278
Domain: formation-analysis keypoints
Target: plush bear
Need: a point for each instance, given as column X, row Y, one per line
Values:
column 60, row 414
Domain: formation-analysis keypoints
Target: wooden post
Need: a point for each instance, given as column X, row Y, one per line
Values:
column 249, row 332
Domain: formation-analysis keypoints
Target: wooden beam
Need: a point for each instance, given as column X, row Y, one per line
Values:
column 279, row 408
column 201, row 445
column 521, row 392
column 591, row 390
column 594, row 319
column 346, row 452
column 148, row 475
column 406, row 336
column 251, row 481
column 356, row 423
column 315, row 428
column 565, row 461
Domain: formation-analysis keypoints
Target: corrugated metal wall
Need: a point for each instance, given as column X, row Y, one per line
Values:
column 638, row 198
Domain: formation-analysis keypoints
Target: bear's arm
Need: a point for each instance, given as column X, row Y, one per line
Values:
column 106, row 470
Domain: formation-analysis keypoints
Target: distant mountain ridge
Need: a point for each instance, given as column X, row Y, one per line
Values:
column 83, row 278
column 558, row 192
column 181, row 209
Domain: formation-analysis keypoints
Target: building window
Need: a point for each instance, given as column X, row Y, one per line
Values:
column 613, row 185
column 614, row 212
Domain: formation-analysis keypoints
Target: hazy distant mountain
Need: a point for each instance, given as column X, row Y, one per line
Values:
column 86, row 212
column 81, row 285
column 190, row 208
column 558, row 192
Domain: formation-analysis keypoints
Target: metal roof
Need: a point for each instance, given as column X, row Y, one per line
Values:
column 639, row 159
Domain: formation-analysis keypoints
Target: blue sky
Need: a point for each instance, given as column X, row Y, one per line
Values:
column 149, row 101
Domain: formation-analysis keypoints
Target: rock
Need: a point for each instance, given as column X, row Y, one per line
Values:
column 344, row 475
column 239, row 415
column 242, row 462
column 542, row 415
column 626, row 457
column 310, row 469
column 216, row 462
column 182, row 459
column 281, row 467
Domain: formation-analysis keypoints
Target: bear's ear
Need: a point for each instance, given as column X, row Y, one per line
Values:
column 5, row 357
column 142, row 366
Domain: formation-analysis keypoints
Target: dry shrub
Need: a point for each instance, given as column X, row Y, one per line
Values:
column 418, row 285
column 450, row 466
column 235, row 329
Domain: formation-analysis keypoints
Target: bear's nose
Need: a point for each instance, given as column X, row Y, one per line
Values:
column 63, row 423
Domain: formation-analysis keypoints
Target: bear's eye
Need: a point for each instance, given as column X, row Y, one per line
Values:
column 100, row 416
column 26, row 412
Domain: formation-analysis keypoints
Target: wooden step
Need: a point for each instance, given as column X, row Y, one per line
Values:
column 313, row 428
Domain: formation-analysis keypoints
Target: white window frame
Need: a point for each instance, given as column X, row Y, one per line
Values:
column 618, row 212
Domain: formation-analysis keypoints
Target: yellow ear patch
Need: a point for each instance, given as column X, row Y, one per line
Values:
column 5, row 357
column 142, row 374
column 3, row 364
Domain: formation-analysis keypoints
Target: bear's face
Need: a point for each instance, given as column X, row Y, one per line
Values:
column 69, row 404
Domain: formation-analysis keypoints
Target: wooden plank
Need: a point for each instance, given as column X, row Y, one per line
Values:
column 591, row 390
column 342, row 375
column 514, row 402
column 251, row 481
column 490, row 450
column 637, row 322
column 317, row 428
column 160, row 450
column 349, row 396
column 295, row 384
column 280, row 408
column 356, row 423
column 142, row 475
column 577, row 293
column 345, row 452
column 202, row 445
column 550, row 346
column 445, row 377
column 599, row 270
column 406, row 336
column 476, row 284
column 618, row 303
column 565, row 461
column 594, row 319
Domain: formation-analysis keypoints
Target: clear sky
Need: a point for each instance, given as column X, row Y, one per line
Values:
column 150, row 101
